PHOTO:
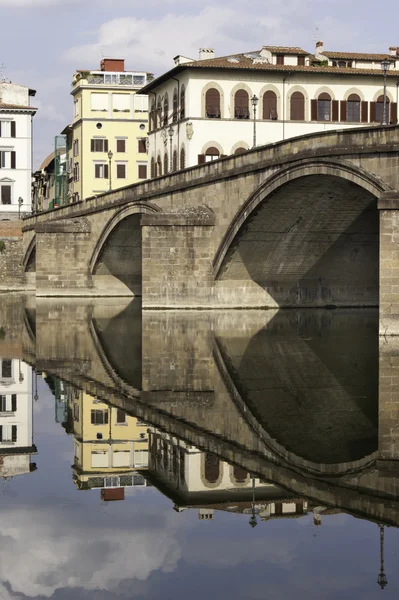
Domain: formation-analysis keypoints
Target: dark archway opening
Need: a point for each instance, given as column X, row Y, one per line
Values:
column 313, row 242
column 119, row 266
column 31, row 262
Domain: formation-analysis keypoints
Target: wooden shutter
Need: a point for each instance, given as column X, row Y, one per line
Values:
column 301, row 61
column 335, row 110
column 344, row 108
column 394, row 113
column 13, row 433
column 201, row 159
column 1, row 433
column 92, row 146
column 365, row 112
column 142, row 171
column 14, row 402
column 13, row 159
column 121, row 171
column 5, row 194
column 372, row 112
column 106, row 175
column 313, row 110
column 105, row 145
column 121, row 145
column 280, row 59
column 142, row 147
column 334, row 63
column 13, row 129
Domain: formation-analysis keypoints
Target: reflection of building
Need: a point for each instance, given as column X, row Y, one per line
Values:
column 16, row 418
column 110, row 446
column 196, row 479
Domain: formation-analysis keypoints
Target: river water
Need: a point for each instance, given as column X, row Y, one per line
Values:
column 229, row 455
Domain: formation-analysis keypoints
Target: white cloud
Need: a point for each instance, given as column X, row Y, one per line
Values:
column 33, row 3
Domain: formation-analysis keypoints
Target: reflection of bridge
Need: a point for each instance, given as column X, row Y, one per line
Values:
column 290, row 224
column 260, row 390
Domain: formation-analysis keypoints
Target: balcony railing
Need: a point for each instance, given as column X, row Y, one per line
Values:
column 122, row 79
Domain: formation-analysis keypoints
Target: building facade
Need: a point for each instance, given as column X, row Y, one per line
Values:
column 205, row 109
column 16, row 116
column 108, row 135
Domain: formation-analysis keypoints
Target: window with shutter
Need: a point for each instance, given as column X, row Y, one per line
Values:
column 241, row 105
column 280, row 59
column 14, row 437
column 6, row 368
column 153, row 117
column 14, row 402
column 120, row 416
column 13, row 129
column 353, row 109
column 201, row 159
column 183, row 102
column 159, row 167
column 5, row 192
column 165, row 163
column 121, row 171
column 13, row 160
column 324, row 107
column 142, row 171
column 159, row 113
column 240, row 150
column 372, row 112
column 165, row 109
column 379, row 110
column 269, row 106
column 365, row 112
column 212, row 104
column 297, row 107
column 175, row 106
column 99, row 145
column 334, row 110
column 152, row 169
column 174, row 161
column 121, row 145
column 212, row 154
column 142, row 146
column 182, row 158
column 301, row 61
column 313, row 110
column 394, row 113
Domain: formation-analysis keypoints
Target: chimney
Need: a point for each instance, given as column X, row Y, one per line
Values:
column 319, row 47
column 117, row 65
column 394, row 51
column 206, row 53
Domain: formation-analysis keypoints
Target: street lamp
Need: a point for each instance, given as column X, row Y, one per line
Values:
column 382, row 579
column 385, row 64
column 110, row 155
column 170, row 133
column 20, row 203
column 252, row 521
column 254, row 101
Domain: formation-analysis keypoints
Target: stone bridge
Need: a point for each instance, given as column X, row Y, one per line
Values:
column 310, row 221
column 227, row 382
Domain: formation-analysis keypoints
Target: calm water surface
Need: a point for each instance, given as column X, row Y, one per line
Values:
column 172, row 455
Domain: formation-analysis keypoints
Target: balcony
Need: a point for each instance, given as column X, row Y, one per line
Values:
column 102, row 78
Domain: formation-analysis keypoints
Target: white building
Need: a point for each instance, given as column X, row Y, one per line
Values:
column 16, row 418
column 16, row 116
column 203, row 109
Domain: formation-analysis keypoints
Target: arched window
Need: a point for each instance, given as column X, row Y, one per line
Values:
column 165, row 456
column 211, row 154
column 181, row 466
column 241, row 105
column 175, row 106
column 158, row 122
column 153, row 116
column 212, row 104
column 165, row 109
column 379, row 110
column 324, row 107
column 270, row 106
column 297, row 107
column 159, row 166
column 183, row 102
column 212, row 468
column 165, row 163
column 240, row 474
column 174, row 160
column 353, row 108
column 153, row 171
column 182, row 158
column 240, row 150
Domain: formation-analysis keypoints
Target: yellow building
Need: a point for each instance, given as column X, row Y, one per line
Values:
column 108, row 141
column 110, row 446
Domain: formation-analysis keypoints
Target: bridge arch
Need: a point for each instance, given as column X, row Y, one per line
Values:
column 116, row 260
column 330, row 183
column 29, row 263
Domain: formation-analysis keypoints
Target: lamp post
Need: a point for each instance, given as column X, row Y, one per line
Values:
column 385, row 64
column 20, row 203
column 170, row 133
column 110, row 155
column 252, row 521
column 254, row 101
column 382, row 579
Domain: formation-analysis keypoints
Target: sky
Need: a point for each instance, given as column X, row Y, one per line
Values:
column 47, row 40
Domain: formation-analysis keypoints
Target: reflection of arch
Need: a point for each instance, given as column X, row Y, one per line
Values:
column 29, row 263
column 239, row 476
column 211, row 470
column 182, row 158
column 338, row 168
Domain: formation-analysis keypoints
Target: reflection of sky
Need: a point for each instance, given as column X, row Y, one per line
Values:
column 58, row 542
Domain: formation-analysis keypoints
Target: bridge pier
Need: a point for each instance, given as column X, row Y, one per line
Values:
column 388, row 403
column 388, row 206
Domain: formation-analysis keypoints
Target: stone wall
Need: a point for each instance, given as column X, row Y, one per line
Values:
column 11, row 255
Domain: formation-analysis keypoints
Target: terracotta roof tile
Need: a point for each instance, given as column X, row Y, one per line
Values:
column 287, row 50
column 356, row 55
column 4, row 106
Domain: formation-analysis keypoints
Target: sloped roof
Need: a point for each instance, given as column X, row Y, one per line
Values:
column 356, row 55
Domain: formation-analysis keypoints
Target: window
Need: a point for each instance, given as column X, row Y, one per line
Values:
column 174, row 161
column 183, row 102
column 99, row 145
column 241, row 105
column 8, row 433
column 301, row 61
column 101, row 171
column 76, row 107
column 99, row 459
column 120, row 416
column 212, row 154
column 240, row 475
column 7, row 159
column 212, row 104
column 142, row 146
column 76, row 412
column 280, row 59
column 5, row 194
column 76, row 147
column 353, row 108
column 99, row 102
column 175, row 106
column 324, row 107
column 153, row 116
column 240, row 150
column 140, row 103
column 159, row 166
column 297, row 107
column 153, row 173
column 142, row 171
column 341, row 64
column 121, row 145
column 270, row 106
column 75, row 197
column 99, row 417
column 182, row 158
column 121, row 171
column 7, row 129
column 379, row 110
column 6, row 369
column 121, row 103
column 165, row 109
column 165, row 163
column 159, row 113
column 212, row 468
column 76, row 172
